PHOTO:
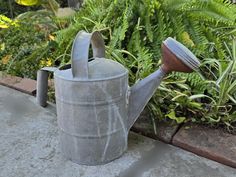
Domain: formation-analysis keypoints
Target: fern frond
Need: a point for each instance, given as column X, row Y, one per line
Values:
column 196, row 83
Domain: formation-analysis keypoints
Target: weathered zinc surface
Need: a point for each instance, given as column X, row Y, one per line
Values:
column 30, row 148
column 95, row 106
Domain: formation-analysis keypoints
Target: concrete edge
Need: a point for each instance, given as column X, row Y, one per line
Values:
column 24, row 85
column 180, row 142
column 211, row 143
column 204, row 153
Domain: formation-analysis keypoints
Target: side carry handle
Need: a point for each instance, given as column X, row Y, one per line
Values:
column 42, row 85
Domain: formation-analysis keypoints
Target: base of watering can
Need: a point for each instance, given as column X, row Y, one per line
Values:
column 92, row 164
column 90, row 151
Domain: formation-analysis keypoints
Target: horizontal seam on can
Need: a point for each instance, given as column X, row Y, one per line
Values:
column 92, row 80
column 89, row 136
column 97, row 102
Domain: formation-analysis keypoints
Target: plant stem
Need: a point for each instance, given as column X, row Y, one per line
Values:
column 52, row 8
column 10, row 7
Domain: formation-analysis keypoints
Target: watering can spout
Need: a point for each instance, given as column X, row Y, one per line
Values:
column 141, row 93
column 173, row 59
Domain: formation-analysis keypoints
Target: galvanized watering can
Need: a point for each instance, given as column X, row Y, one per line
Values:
column 95, row 106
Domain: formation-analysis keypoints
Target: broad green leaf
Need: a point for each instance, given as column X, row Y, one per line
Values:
column 214, row 120
column 3, row 25
column 197, row 96
column 201, row 96
column 195, row 105
column 225, row 73
column 51, row 5
column 234, row 49
column 232, row 87
column 172, row 116
column 213, row 62
column 2, row 46
column 178, row 96
column 6, row 22
column 183, row 86
column 232, row 99
column 231, row 32
column 27, row 2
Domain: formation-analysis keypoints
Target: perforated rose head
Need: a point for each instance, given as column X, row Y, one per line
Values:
column 176, row 57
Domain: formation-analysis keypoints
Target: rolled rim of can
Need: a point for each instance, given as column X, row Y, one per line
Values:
column 182, row 53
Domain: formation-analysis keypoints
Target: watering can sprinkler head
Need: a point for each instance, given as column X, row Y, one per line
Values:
column 176, row 57
column 171, row 63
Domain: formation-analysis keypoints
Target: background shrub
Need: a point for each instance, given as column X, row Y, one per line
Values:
column 133, row 31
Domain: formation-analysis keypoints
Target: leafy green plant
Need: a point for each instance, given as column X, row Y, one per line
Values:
column 28, row 43
column 223, row 109
column 134, row 33
column 11, row 9
column 23, row 48
column 51, row 5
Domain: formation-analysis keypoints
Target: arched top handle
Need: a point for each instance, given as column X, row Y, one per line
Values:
column 80, row 52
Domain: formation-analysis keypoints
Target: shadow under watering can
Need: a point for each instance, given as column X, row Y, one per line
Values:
column 95, row 105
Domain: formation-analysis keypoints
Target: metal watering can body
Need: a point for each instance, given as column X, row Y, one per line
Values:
column 95, row 106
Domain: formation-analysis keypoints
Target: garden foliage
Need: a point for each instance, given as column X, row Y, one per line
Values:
column 11, row 9
column 24, row 47
column 133, row 31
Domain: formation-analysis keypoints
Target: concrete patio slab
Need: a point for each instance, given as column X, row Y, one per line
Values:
column 29, row 148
